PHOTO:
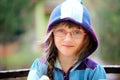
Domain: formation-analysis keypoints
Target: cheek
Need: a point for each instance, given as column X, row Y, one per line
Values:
column 57, row 41
column 80, row 44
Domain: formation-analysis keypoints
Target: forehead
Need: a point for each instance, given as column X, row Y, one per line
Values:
column 66, row 27
column 66, row 24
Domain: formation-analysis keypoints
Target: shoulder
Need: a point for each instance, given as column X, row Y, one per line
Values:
column 87, row 63
column 38, row 64
column 95, row 71
column 90, row 63
column 37, row 69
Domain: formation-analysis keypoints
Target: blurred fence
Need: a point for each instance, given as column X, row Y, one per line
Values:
column 110, row 69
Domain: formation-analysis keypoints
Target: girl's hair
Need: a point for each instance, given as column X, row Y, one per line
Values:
column 52, row 52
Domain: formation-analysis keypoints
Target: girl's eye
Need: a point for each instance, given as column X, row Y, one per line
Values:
column 77, row 32
column 61, row 30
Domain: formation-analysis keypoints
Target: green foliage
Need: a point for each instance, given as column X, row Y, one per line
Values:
column 110, row 30
column 11, row 21
column 106, row 21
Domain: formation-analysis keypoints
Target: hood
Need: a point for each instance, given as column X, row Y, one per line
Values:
column 75, row 11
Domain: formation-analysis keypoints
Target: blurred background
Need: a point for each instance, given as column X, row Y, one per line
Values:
column 22, row 22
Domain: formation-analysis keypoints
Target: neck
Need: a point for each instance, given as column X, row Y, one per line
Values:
column 66, row 62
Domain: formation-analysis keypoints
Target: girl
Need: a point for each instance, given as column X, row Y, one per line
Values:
column 70, row 40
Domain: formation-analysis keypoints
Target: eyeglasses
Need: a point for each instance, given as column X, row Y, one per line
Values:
column 76, row 33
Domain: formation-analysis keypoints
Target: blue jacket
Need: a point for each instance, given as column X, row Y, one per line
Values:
column 85, row 70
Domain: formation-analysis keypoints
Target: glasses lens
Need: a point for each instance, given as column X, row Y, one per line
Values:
column 59, row 32
column 78, row 33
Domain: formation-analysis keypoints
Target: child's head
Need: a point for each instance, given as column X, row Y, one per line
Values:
column 74, row 12
column 69, row 21
column 69, row 38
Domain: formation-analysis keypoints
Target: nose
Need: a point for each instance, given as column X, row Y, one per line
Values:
column 68, row 37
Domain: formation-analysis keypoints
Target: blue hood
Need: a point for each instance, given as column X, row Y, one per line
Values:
column 75, row 11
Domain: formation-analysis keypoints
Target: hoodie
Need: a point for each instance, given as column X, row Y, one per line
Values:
column 76, row 12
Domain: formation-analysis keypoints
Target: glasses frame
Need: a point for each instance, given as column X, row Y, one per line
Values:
column 63, row 35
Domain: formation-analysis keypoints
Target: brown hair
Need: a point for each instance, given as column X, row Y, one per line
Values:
column 52, row 52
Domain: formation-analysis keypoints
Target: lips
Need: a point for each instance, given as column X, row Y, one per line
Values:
column 68, row 46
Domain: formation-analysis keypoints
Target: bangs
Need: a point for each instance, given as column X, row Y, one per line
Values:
column 68, row 24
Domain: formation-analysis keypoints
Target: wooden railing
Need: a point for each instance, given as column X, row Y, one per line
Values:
column 110, row 69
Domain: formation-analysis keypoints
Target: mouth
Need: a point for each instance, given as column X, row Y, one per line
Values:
column 68, row 46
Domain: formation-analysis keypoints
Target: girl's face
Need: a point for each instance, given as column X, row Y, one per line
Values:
column 68, row 40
